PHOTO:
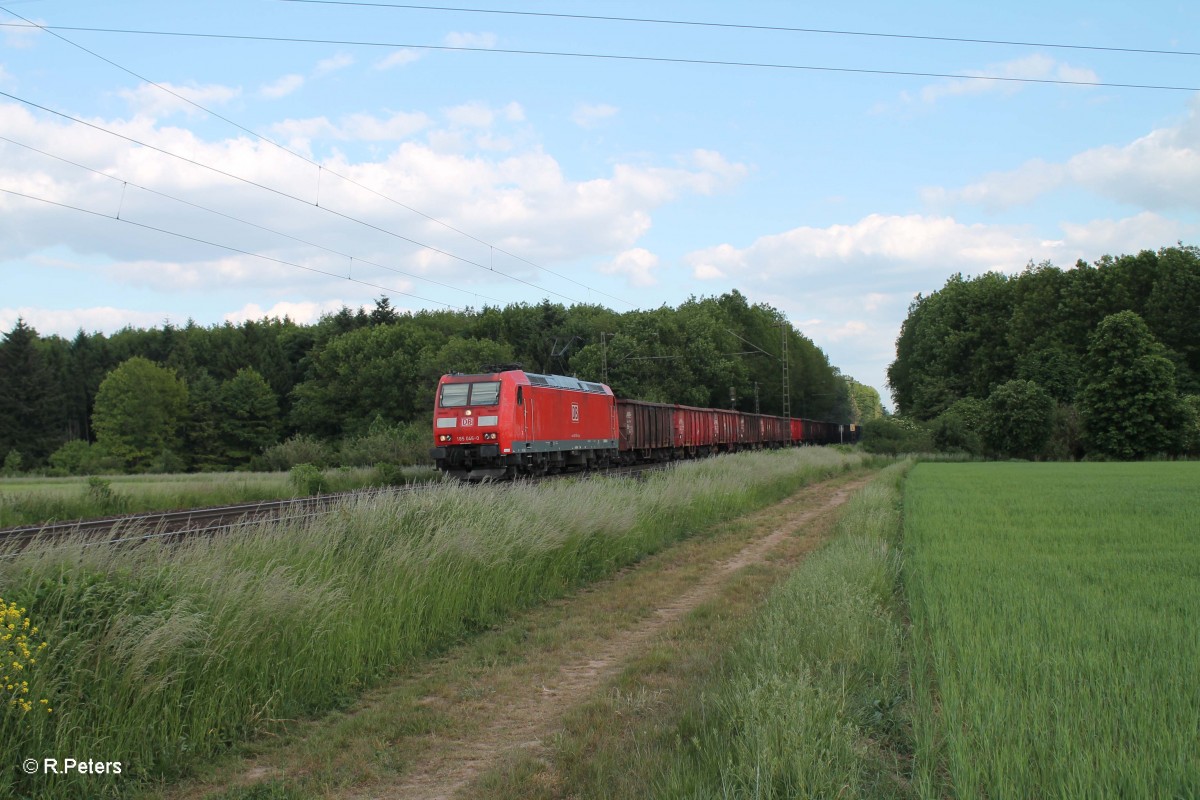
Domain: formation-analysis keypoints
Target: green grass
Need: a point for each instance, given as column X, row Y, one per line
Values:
column 30, row 501
column 160, row 657
column 1055, row 610
column 806, row 703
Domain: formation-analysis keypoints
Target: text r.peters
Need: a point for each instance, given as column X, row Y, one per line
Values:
column 50, row 766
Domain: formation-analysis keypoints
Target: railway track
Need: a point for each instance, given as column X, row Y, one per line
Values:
column 177, row 525
column 169, row 525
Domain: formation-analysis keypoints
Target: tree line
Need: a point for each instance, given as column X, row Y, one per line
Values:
column 1098, row 361
column 347, row 388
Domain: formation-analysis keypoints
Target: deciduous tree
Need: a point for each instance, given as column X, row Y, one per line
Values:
column 1019, row 419
column 139, row 413
column 1128, row 403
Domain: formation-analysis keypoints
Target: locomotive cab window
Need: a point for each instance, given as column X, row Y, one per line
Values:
column 457, row 395
column 485, row 394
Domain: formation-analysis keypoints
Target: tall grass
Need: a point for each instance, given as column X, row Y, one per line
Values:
column 159, row 657
column 806, row 703
column 30, row 501
column 1054, row 620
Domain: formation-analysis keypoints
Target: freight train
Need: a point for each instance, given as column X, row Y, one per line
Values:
column 509, row 423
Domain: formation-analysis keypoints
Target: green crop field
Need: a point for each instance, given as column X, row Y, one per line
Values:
column 1055, row 629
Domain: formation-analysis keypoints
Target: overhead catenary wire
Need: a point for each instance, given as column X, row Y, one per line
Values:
column 749, row 27
column 627, row 58
column 276, row 191
column 239, row 220
column 320, row 167
column 231, row 249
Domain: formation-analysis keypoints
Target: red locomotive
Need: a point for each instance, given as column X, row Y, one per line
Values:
column 511, row 422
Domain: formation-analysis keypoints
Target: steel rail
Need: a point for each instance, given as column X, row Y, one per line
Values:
column 210, row 520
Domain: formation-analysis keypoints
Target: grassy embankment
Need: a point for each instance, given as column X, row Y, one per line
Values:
column 30, row 501
column 1055, row 610
column 806, row 705
column 160, row 657
column 799, row 698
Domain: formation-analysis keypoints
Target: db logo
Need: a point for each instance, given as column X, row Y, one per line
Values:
column 574, row 412
column 468, row 421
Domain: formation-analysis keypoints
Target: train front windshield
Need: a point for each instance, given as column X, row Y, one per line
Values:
column 457, row 395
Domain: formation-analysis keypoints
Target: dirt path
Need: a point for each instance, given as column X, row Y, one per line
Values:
column 504, row 694
column 526, row 718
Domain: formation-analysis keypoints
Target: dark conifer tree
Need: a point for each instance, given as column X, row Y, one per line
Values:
column 29, row 398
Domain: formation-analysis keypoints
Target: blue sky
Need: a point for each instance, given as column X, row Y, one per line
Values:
column 482, row 177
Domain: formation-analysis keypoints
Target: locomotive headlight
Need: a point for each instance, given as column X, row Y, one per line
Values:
column 491, row 437
column 468, row 412
column 445, row 437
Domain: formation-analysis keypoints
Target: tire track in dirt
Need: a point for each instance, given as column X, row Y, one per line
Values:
column 524, row 720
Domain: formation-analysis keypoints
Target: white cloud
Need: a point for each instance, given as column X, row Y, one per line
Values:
column 397, row 126
column 1158, row 171
column 1015, row 73
column 67, row 322
column 397, row 59
column 875, row 300
column 1129, row 235
column 722, row 171
column 282, row 87
column 913, row 251
column 519, row 199
column 474, row 115
column 153, row 101
column 850, row 329
column 484, row 41
column 355, row 127
column 303, row 312
column 513, row 112
column 1001, row 190
column 637, row 265
column 876, row 242
column 175, row 276
column 851, row 284
column 589, row 116
column 20, row 36
column 332, row 64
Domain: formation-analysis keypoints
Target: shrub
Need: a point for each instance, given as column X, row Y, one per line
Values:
column 299, row 449
column 395, row 444
column 103, row 499
column 951, row 434
column 388, row 474
column 78, row 457
column 307, row 479
column 894, row 435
